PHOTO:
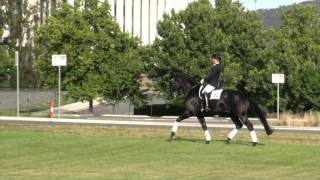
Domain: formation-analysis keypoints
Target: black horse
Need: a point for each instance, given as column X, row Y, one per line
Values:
column 231, row 103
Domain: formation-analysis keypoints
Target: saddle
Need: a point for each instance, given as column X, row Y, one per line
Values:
column 215, row 94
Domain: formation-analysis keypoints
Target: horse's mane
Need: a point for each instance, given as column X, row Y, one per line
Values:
column 185, row 77
column 194, row 90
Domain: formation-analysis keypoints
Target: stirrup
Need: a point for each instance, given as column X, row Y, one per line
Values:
column 207, row 109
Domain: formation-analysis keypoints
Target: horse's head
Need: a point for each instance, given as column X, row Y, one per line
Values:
column 175, row 86
column 181, row 82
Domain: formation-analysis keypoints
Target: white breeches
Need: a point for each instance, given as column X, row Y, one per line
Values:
column 208, row 89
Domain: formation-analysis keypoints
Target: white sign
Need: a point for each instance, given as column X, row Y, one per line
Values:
column 59, row 60
column 277, row 78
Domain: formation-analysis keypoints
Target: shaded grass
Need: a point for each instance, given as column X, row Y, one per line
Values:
column 75, row 152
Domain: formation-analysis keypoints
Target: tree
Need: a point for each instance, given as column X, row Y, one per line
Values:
column 188, row 39
column 296, row 51
column 6, row 62
column 102, row 61
column 20, row 18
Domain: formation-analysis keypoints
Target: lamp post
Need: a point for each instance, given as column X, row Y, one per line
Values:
column 15, row 13
column 18, row 93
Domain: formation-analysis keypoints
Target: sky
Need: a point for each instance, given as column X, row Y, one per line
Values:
column 267, row 4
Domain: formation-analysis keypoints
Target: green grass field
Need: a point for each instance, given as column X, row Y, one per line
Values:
column 74, row 152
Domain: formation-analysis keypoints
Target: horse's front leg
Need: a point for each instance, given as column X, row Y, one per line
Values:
column 175, row 127
column 205, row 129
column 232, row 134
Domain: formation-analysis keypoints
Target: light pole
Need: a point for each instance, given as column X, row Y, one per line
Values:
column 15, row 13
column 18, row 93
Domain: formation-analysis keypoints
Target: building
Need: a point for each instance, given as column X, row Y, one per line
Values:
column 137, row 17
column 140, row 17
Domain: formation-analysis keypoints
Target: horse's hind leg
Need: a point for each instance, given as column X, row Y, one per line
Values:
column 233, row 133
column 246, row 122
column 205, row 129
column 175, row 126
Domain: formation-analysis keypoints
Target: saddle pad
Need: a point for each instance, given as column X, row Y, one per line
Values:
column 215, row 94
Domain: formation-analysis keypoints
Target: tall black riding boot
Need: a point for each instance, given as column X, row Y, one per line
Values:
column 206, row 96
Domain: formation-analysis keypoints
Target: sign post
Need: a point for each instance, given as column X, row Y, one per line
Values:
column 59, row 60
column 18, row 93
column 277, row 79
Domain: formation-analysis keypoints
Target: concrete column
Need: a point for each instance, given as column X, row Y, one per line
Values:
column 136, row 17
column 111, row 3
column 119, row 13
column 145, row 21
column 153, row 20
column 128, row 16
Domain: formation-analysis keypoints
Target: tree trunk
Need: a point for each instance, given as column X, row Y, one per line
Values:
column 91, row 106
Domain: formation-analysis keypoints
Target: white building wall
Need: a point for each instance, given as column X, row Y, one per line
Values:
column 136, row 17
column 71, row 2
column 111, row 3
column 168, row 6
column 128, row 16
column 145, row 22
column 139, row 17
column 153, row 20
column 160, row 9
column 119, row 13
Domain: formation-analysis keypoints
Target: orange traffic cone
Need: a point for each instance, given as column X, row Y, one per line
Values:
column 52, row 109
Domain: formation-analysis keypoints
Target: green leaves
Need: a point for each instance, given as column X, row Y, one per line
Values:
column 250, row 53
column 102, row 61
column 295, row 51
column 189, row 38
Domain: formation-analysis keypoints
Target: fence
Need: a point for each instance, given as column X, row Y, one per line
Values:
column 30, row 99
column 36, row 102
column 307, row 119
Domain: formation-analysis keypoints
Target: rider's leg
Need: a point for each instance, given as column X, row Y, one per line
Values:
column 206, row 100
column 206, row 92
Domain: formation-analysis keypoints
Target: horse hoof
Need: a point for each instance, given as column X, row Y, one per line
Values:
column 254, row 143
column 270, row 132
column 207, row 142
column 228, row 141
column 173, row 136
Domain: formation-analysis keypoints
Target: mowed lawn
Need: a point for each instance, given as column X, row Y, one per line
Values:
column 75, row 152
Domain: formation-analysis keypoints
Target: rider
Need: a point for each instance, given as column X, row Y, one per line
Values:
column 212, row 81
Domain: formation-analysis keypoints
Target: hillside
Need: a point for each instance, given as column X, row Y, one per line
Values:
column 271, row 17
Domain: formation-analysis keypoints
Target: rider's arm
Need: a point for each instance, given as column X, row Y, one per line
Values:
column 214, row 72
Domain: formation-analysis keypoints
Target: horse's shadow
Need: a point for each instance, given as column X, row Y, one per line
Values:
column 201, row 141
column 184, row 139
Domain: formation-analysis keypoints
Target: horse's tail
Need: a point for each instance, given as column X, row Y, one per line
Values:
column 255, row 107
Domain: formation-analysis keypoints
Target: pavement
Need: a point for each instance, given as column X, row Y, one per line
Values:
column 133, row 121
column 82, row 108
